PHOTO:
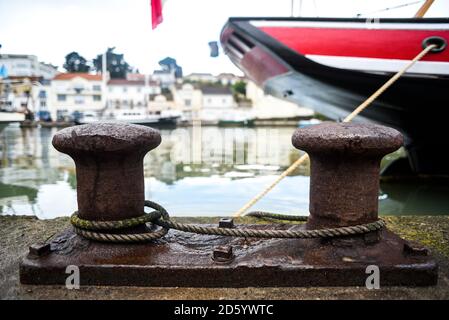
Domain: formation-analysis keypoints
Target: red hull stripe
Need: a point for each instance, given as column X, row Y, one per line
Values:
column 368, row 43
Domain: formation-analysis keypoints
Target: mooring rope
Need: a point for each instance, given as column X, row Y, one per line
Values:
column 348, row 118
column 275, row 216
column 92, row 229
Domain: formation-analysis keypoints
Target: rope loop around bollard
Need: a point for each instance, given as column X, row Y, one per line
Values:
column 90, row 229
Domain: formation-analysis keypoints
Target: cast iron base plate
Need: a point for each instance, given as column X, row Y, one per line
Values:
column 185, row 260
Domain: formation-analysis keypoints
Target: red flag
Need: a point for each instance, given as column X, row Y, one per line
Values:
column 156, row 13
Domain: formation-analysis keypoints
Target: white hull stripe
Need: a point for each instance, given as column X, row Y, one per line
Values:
column 381, row 65
column 367, row 24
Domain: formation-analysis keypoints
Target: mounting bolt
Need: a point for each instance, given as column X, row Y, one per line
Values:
column 39, row 249
column 344, row 170
column 223, row 254
column 226, row 223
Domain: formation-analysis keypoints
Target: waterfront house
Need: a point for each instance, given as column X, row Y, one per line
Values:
column 217, row 103
column 26, row 65
column 133, row 92
column 159, row 104
column 200, row 77
column 77, row 92
column 165, row 78
column 189, row 99
column 23, row 80
column 41, row 95
column 269, row 108
column 227, row 79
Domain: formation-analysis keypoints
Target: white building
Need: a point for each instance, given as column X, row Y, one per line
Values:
column 189, row 99
column 23, row 65
column 126, row 93
column 269, row 107
column 227, row 79
column 166, row 78
column 79, row 92
column 160, row 105
column 41, row 99
column 200, row 77
column 217, row 104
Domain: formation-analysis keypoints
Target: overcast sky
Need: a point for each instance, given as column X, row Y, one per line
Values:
column 52, row 28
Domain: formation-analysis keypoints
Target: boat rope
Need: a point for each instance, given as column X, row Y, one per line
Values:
column 390, row 8
column 93, row 229
column 348, row 118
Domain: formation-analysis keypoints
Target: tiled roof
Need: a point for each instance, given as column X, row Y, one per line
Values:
column 124, row 82
column 69, row 76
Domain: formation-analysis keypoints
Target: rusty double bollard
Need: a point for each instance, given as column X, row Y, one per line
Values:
column 109, row 168
column 343, row 192
column 344, row 183
column 344, row 170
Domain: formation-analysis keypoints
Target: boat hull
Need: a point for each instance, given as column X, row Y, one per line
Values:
column 413, row 105
column 160, row 122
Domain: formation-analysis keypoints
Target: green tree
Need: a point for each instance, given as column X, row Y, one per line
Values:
column 75, row 63
column 115, row 64
column 239, row 87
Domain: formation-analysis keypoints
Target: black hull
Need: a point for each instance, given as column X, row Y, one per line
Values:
column 166, row 122
column 414, row 104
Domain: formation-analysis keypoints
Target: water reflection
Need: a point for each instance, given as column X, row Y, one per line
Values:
column 34, row 178
column 415, row 197
column 201, row 171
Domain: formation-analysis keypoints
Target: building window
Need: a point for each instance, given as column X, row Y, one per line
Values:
column 125, row 89
column 43, row 103
column 62, row 97
column 79, row 100
column 139, row 90
column 96, row 87
column 97, row 97
column 187, row 102
column 42, row 94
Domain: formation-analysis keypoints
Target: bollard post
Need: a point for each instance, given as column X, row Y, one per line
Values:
column 344, row 170
column 109, row 167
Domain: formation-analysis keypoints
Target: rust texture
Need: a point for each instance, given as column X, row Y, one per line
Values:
column 190, row 260
column 109, row 167
column 344, row 171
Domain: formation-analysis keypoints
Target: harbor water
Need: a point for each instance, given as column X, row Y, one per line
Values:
column 204, row 171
